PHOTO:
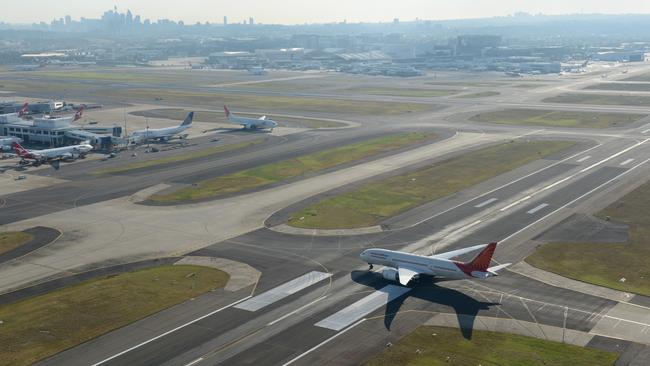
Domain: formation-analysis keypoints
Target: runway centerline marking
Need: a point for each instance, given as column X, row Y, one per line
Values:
column 322, row 343
column 573, row 175
column 614, row 156
column 532, row 211
column 296, row 311
column 515, row 203
column 507, row 184
column 627, row 161
column 575, row 200
column 583, row 159
column 169, row 332
column 195, row 361
column 280, row 292
column 485, row 203
column 363, row 307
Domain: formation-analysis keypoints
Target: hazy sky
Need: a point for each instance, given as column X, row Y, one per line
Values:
column 311, row 11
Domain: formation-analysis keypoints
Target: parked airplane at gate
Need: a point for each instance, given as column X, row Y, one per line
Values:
column 404, row 267
column 250, row 123
column 164, row 134
column 52, row 156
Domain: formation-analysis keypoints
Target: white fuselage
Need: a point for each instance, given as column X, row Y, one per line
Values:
column 436, row 267
column 252, row 123
column 159, row 133
column 66, row 152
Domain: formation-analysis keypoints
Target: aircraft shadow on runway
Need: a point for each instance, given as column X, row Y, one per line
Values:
column 465, row 307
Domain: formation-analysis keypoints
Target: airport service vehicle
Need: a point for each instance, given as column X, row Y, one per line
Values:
column 51, row 156
column 164, row 134
column 250, row 123
column 403, row 267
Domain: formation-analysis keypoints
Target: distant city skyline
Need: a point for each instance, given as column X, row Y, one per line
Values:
column 306, row 11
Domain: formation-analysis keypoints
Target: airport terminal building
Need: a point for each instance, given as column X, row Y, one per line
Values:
column 57, row 131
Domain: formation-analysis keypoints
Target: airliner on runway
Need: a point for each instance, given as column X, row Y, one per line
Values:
column 164, row 134
column 404, row 267
column 250, row 123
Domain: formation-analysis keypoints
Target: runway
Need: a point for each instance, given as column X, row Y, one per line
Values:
column 289, row 327
column 316, row 302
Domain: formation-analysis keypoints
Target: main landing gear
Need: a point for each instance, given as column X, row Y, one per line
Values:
column 370, row 268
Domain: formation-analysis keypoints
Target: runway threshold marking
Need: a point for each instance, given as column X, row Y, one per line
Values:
column 169, row 332
column 530, row 212
column 485, row 203
column 363, row 307
column 627, row 161
column 278, row 293
column 584, row 158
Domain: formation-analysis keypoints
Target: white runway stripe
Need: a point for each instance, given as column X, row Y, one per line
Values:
column 363, row 307
column 282, row 291
column 537, row 208
column 485, row 203
column 627, row 161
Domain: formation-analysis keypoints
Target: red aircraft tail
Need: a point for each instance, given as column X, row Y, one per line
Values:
column 24, row 110
column 227, row 111
column 80, row 112
column 20, row 151
column 482, row 261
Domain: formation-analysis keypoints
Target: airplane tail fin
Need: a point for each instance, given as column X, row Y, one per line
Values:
column 188, row 119
column 482, row 261
column 225, row 109
column 23, row 111
column 20, row 150
column 80, row 112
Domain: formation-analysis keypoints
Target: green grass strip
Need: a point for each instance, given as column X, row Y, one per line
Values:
column 44, row 325
column 373, row 202
column 440, row 346
column 287, row 169
column 605, row 264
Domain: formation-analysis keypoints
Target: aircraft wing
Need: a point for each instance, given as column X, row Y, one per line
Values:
column 263, row 118
column 456, row 253
column 406, row 274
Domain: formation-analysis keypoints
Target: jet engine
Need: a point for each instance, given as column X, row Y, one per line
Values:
column 390, row 274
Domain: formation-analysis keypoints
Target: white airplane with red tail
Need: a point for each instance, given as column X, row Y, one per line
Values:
column 403, row 267
column 52, row 156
